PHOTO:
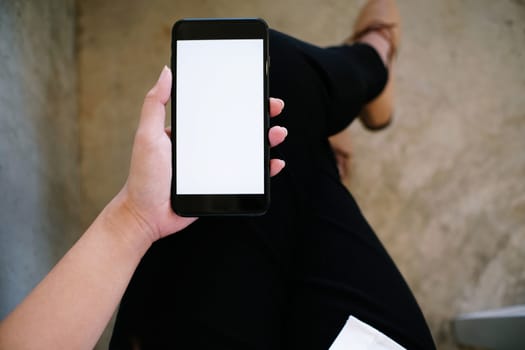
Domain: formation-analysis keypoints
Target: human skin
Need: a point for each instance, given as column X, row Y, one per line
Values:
column 72, row 305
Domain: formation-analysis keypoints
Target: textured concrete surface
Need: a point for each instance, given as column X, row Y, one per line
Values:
column 39, row 192
column 444, row 186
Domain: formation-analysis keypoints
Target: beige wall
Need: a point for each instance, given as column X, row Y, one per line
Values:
column 39, row 177
column 445, row 186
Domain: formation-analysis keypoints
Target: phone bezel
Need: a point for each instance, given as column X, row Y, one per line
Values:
column 220, row 204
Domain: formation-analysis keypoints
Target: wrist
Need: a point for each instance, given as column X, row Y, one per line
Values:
column 125, row 224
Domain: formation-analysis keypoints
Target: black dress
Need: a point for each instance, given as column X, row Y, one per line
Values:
column 291, row 278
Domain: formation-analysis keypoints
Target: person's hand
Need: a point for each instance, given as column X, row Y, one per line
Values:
column 146, row 195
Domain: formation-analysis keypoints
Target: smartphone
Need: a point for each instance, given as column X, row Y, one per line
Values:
column 220, row 120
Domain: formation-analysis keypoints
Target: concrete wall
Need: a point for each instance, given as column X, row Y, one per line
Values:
column 39, row 192
column 445, row 186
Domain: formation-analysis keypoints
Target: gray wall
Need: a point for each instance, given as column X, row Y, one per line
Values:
column 39, row 192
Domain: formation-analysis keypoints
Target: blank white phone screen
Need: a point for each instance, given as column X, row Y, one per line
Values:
column 220, row 117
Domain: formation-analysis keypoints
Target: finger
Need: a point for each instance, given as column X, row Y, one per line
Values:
column 168, row 131
column 276, row 165
column 276, row 106
column 153, row 112
column 276, row 135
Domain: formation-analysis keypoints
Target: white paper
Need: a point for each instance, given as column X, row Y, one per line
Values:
column 357, row 335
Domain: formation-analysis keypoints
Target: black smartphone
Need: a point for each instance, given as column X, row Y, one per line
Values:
column 220, row 120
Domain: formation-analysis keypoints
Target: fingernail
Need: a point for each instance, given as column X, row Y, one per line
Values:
column 284, row 130
column 283, row 163
column 281, row 102
column 164, row 71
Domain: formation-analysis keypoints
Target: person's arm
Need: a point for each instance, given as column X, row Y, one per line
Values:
column 72, row 305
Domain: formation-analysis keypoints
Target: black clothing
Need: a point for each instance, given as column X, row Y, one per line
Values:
column 291, row 278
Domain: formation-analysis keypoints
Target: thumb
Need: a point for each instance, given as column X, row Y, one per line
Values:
column 153, row 113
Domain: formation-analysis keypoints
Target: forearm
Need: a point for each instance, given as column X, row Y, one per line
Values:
column 70, row 308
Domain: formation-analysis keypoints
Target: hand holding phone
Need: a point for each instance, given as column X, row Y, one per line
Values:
column 146, row 194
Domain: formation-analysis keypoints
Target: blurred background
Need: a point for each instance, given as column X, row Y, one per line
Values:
column 444, row 186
